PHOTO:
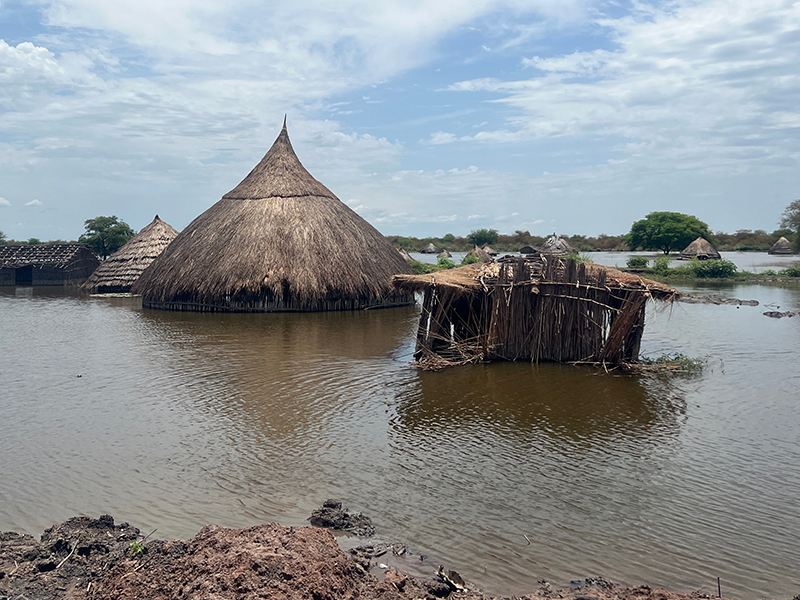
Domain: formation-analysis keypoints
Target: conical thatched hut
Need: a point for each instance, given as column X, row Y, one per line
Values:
column 121, row 270
column 782, row 246
column 444, row 254
column 480, row 253
column 555, row 245
column 279, row 241
column 701, row 249
column 527, row 250
column 431, row 248
column 489, row 250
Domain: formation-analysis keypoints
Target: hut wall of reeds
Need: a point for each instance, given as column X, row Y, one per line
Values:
column 537, row 308
column 46, row 264
column 701, row 249
column 782, row 246
column 122, row 269
column 279, row 241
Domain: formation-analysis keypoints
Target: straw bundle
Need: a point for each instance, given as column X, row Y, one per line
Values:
column 278, row 241
column 121, row 270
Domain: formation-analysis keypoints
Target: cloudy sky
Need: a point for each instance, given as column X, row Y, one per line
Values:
column 426, row 117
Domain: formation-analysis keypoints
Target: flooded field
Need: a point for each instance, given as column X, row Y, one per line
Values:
column 172, row 421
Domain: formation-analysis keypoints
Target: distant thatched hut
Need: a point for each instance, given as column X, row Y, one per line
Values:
column 782, row 246
column 444, row 254
column 701, row 249
column 539, row 308
column 431, row 248
column 46, row 264
column 480, row 253
column 121, row 270
column 279, row 241
column 527, row 250
column 555, row 245
column 406, row 256
column 488, row 249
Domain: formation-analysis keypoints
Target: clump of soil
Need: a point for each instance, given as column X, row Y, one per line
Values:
column 333, row 516
column 93, row 559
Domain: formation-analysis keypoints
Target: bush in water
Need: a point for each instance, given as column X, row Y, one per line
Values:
column 638, row 262
column 713, row 269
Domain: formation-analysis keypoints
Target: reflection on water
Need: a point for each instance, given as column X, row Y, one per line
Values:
column 174, row 420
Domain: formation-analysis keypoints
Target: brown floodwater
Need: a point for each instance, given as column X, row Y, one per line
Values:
column 173, row 421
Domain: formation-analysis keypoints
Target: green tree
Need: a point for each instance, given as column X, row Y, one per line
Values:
column 3, row 239
column 34, row 242
column 481, row 237
column 106, row 235
column 666, row 231
column 448, row 238
column 791, row 220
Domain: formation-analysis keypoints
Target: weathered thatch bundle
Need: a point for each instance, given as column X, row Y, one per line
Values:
column 46, row 264
column 431, row 248
column 121, row 270
column 480, row 253
column 539, row 308
column 782, row 246
column 555, row 245
column 701, row 249
column 279, row 241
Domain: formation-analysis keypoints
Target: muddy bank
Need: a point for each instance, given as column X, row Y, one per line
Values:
column 86, row 558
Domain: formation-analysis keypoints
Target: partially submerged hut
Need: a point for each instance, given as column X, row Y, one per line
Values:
column 538, row 308
column 782, row 246
column 701, row 249
column 46, row 264
column 488, row 249
column 480, row 253
column 444, row 254
column 279, row 241
column 431, row 248
column 121, row 270
column 527, row 250
column 555, row 245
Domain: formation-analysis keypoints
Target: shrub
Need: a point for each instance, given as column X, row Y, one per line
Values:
column 638, row 262
column 469, row 259
column 661, row 264
column 445, row 263
column 793, row 271
column 713, row 269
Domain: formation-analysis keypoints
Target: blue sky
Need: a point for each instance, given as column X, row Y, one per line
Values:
column 574, row 116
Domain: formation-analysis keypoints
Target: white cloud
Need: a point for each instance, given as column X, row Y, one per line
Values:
column 34, row 202
column 4, row 202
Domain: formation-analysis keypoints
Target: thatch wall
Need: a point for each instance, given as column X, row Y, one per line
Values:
column 701, row 249
column 539, row 308
column 279, row 241
column 123, row 268
column 782, row 246
column 46, row 264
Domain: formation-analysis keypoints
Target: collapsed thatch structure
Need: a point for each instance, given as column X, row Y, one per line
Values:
column 120, row 271
column 539, row 308
column 279, row 241
column 431, row 248
column 555, row 245
column 782, row 246
column 701, row 249
column 46, row 264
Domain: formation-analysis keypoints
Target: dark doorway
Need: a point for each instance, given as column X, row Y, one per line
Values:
column 24, row 275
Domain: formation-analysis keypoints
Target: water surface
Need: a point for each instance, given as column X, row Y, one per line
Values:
column 173, row 421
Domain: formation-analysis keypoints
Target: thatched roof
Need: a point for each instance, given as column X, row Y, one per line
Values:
column 431, row 248
column 527, row 250
column 555, row 245
column 480, row 253
column 444, row 254
column 475, row 277
column 121, row 270
column 280, row 240
column 782, row 246
column 700, row 248
column 55, row 255
column 488, row 249
column 406, row 256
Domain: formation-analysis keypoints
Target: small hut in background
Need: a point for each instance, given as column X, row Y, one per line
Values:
column 488, row 249
column 480, row 253
column 121, row 270
column 701, row 249
column 444, row 254
column 279, row 241
column 527, row 250
column 555, row 245
column 537, row 308
column 46, row 264
column 782, row 246
column 431, row 248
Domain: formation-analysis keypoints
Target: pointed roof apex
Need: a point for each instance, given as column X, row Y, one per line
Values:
column 284, row 120
column 280, row 174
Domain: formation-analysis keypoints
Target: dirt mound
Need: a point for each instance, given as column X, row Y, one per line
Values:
column 333, row 516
